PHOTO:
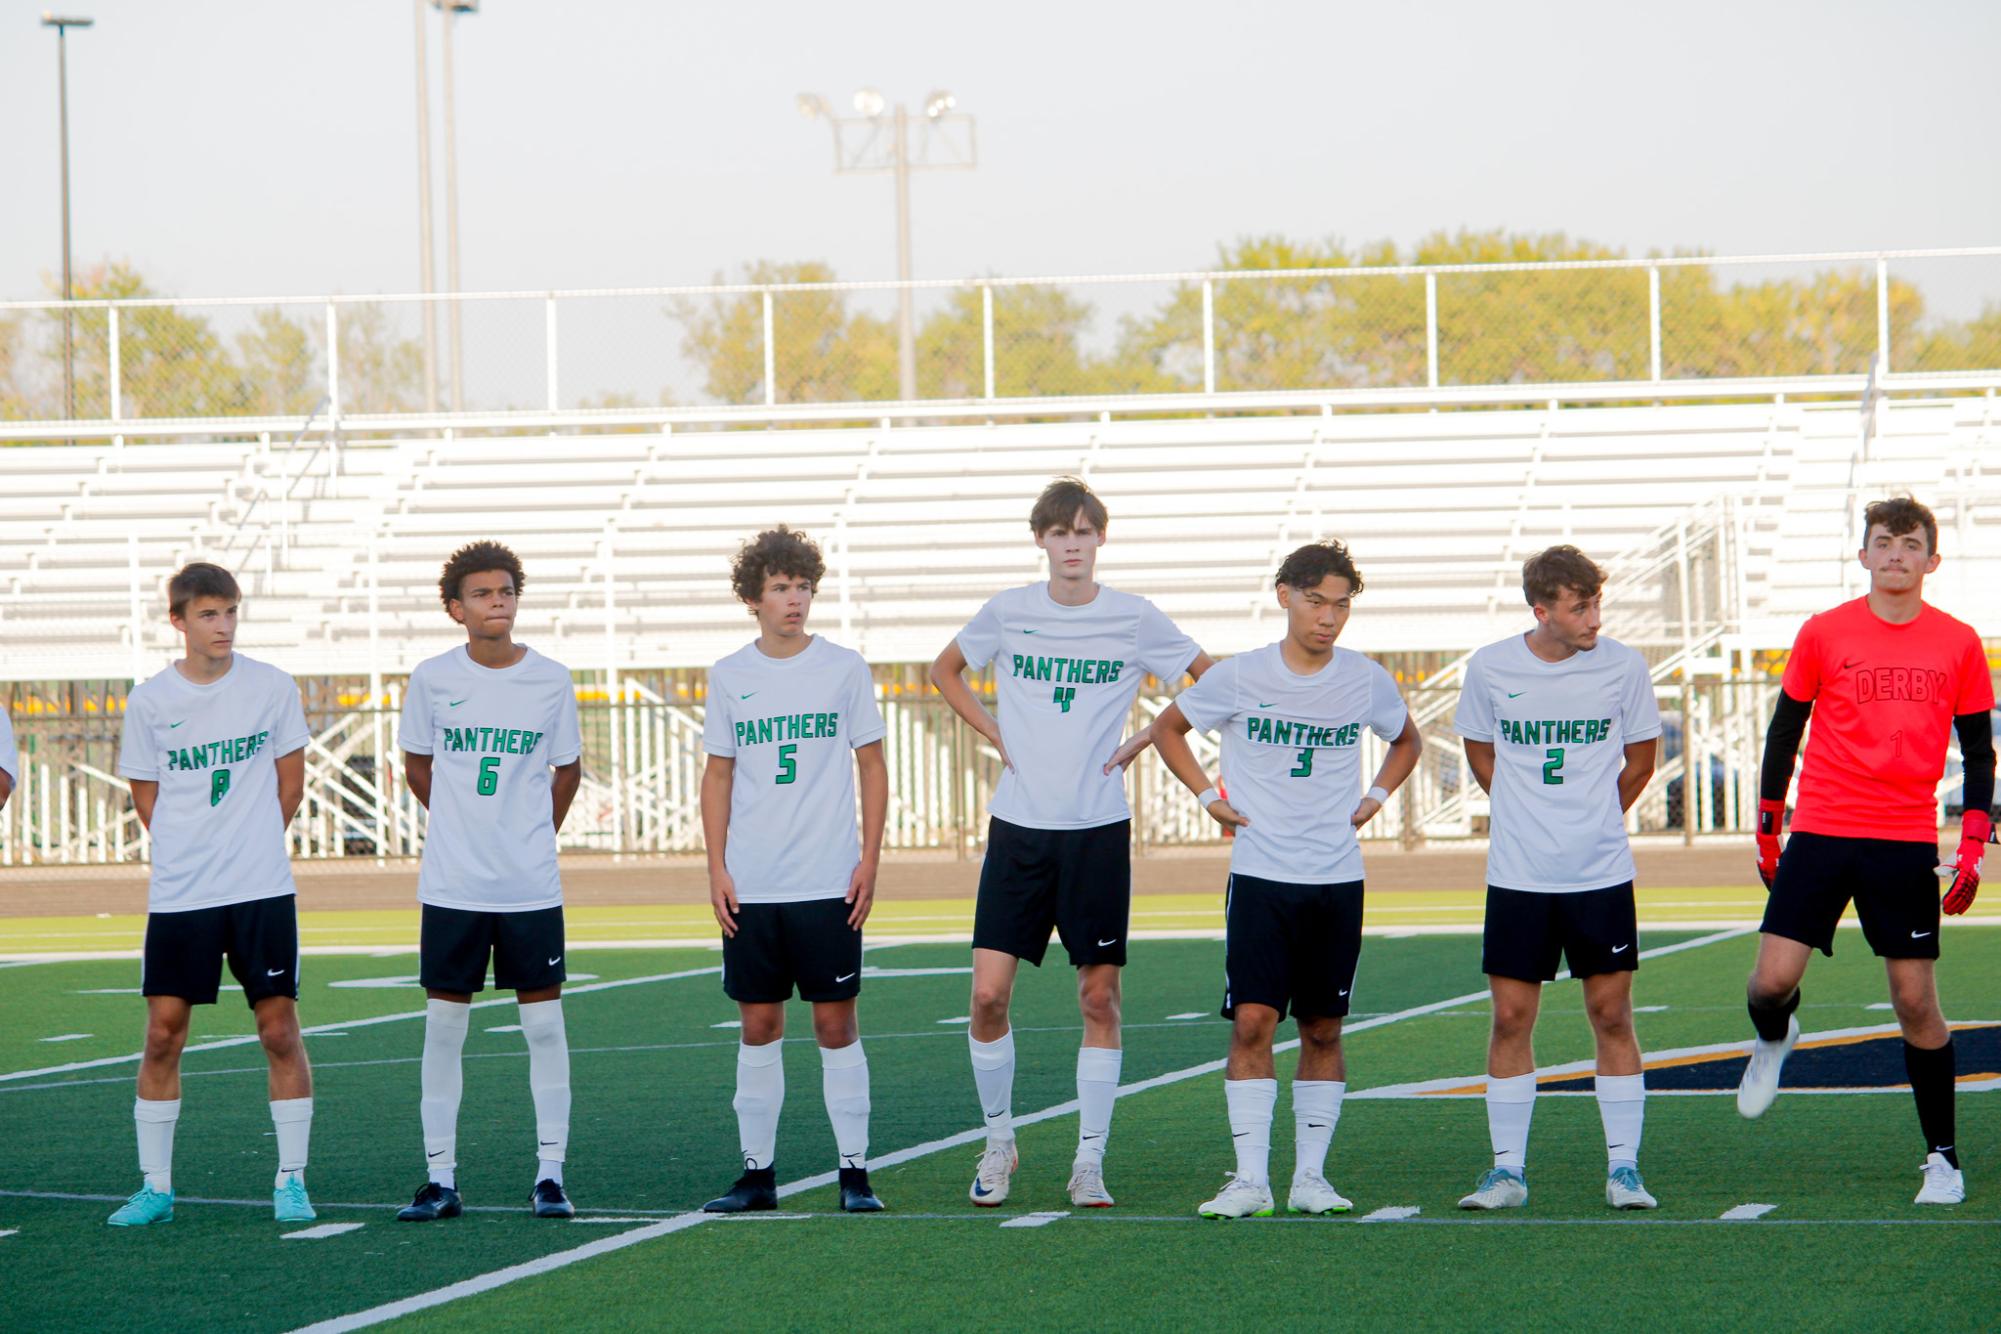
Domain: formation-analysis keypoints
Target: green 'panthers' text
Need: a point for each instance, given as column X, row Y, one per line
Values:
column 216, row 752
column 1069, row 671
column 493, row 740
column 788, row 727
column 1556, row 732
column 1285, row 732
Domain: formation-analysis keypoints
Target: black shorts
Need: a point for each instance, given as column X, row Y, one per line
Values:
column 1594, row 931
column 185, row 950
column 779, row 946
column 1894, row 885
column 1077, row 881
column 1290, row 945
column 526, row 947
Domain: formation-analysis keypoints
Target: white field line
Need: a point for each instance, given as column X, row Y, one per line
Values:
column 561, row 1259
column 1395, row 1213
column 1042, row 1218
column 1745, row 1211
column 321, row 1232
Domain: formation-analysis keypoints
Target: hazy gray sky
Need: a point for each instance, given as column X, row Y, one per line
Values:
column 264, row 146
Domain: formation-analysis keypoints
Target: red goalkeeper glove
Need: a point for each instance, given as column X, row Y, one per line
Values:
column 1771, row 818
column 1976, row 831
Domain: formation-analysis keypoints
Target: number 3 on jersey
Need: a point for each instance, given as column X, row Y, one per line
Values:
column 1304, row 769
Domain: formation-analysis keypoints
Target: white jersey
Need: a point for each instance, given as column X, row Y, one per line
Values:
column 1559, row 731
column 217, row 832
column 1292, row 757
column 1066, row 679
column 493, row 733
column 792, row 726
column 10, row 758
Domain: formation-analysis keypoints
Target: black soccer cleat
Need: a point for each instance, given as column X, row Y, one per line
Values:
column 548, row 1201
column 856, row 1195
column 756, row 1189
column 432, row 1203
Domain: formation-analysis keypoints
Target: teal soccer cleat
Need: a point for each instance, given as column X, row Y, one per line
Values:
column 145, row 1206
column 289, row 1203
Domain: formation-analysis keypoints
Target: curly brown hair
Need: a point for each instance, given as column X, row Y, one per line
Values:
column 1901, row 514
column 779, row 550
column 476, row 558
column 1309, row 565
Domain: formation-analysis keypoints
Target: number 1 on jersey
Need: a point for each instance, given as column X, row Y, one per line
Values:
column 1552, row 768
column 788, row 767
column 1304, row 769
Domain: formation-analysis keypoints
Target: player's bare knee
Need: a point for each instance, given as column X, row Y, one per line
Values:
column 990, row 1001
column 1098, row 1002
column 835, row 1026
column 1321, row 1038
column 1252, row 1028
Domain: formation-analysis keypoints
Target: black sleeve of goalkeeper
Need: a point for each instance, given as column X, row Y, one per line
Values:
column 1782, row 746
column 1976, row 752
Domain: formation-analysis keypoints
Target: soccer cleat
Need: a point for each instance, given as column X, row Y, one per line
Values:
column 1499, row 1188
column 1760, row 1084
column 432, row 1203
column 1311, row 1194
column 1240, row 1197
column 755, row 1190
column 1625, row 1190
column 997, row 1166
column 1944, row 1183
column 1087, row 1185
column 856, row 1195
column 548, row 1201
column 145, row 1206
column 289, row 1203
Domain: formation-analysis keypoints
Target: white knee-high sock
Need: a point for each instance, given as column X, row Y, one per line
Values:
column 1251, row 1102
column 1097, row 1090
column 1510, row 1105
column 993, row 1075
column 1622, row 1109
column 292, row 1118
column 445, row 1024
column 154, row 1119
column 1316, row 1110
column 844, row 1084
column 760, row 1093
column 549, row 1082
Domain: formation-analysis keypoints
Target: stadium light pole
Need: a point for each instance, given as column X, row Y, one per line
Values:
column 426, row 247
column 451, row 10
column 872, row 142
column 62, row 26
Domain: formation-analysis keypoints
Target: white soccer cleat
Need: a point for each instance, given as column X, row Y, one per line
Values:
column 1499, row 1188
column 1625, row 1190
column 1311, row 1194
column 1239, row 1198
column 996, row 1168
column 1760, row 1084
column 1087, row 1185
column 1944, row 1183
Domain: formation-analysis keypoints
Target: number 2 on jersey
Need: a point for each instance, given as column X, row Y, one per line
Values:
column 1304, row 769
column 788, row 767
column 1552, row 768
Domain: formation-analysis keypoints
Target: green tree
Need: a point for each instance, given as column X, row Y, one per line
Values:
column 823, row 351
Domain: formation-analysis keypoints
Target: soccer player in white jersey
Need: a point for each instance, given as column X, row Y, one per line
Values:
column 214, row 748
column 789, row 880
column 10, row 759
column 492, row 748
column 1291, row 715
column 1068, row 658
column 1560, row 728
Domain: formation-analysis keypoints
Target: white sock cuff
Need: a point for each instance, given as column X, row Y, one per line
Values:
column 1263, row 1089
column 448, row 1015
column 992, row 1055
column 285, row 1110
column 1515, row 1088
column 156, row 1109
column 843, row 1058
column 768, row 1054
column 1099, row 1064
column 540, row 1014
column 1622, row 1088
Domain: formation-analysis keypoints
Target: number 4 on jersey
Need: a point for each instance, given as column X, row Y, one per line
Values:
column 1065, row 695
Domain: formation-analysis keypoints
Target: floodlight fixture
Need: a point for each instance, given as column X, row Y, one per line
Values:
column 939, row 103
column 50, row 19
column 869, row 102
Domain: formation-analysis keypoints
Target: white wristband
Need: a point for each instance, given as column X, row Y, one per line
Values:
column 1207, row 796
column 1377, row 794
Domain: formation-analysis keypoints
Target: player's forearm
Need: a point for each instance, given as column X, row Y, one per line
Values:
column 1637, row 772
column 715, row 817
column 1976, row 754
column 563, row 785
column 875, row 807
column 1480, row 759
column 1203, row 662
column 1401, row 759
column 1782, row 746
column 1179, row 757
column 417, row 775
column 6, row 788
column 144, row 792
column 291, row 785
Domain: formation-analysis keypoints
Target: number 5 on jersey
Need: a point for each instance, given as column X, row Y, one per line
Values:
column 788, row 766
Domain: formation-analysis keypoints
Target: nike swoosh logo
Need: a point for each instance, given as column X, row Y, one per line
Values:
column 1620, row 949
column 1919, row 935
column 1316, row 1125
column 992, row 1115
column 274, row 972
column 453, row 704
column 553, row 962
column 1515, row 694
column 1267, row 706
column 1848, row 665
column 172, row 726
column 548, row 1143
column 1344, row 993
column 844, row 977
column 746, row 696
column 1238, row 1134
column 435, row 1153
column 1113, row 941
column 1028, row 632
